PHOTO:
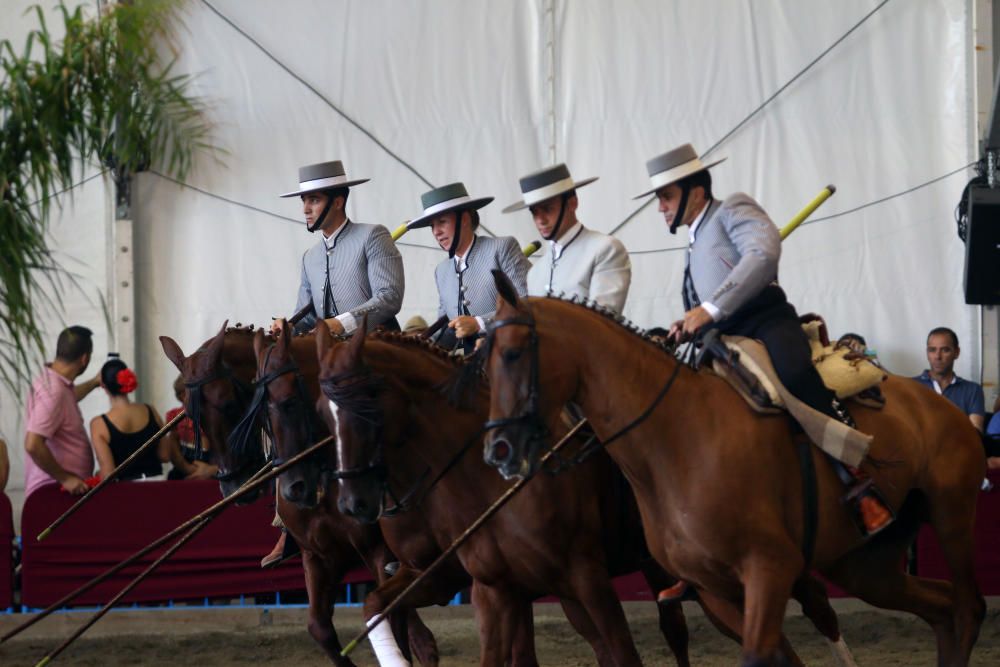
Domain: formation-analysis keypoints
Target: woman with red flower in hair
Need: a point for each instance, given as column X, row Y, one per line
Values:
column 119, row 432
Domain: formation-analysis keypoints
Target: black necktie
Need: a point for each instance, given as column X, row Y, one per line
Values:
column 689, row 293
column 329, row 304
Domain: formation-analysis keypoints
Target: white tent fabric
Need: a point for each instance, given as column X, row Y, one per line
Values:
column 419, row 93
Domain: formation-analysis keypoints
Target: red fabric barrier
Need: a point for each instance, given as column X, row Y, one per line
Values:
column 6, row 553
column 222, row 560
column 930, row 558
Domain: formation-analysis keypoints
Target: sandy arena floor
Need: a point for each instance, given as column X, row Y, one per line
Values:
column 205, row 638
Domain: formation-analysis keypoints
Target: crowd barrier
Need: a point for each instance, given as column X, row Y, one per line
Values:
column 930, row 558
column 222, row 560
column 6, row 553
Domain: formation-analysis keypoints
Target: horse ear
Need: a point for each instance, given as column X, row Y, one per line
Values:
column 258, row 343
column 173, row 352
column 214, row 348
column 323, row 339
column 505, row 288
column 358, row 339
column 284, row 340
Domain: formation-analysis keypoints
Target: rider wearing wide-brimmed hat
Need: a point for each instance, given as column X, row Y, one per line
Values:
column 466, row 289
column 580, row 262
column 731, row 284
column 355, row 269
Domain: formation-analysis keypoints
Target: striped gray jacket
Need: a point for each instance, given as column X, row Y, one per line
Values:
column 478, row 291
column 366, row 276
column 734, row 254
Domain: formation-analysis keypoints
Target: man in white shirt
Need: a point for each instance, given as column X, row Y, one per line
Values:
column 579, row 262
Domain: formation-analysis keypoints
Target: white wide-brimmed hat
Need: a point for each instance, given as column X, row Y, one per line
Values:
column 546, row 184
column 451, row 197
column 323, row 176
column 672, row 166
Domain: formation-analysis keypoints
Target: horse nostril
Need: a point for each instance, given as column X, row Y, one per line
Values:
column 502, row 451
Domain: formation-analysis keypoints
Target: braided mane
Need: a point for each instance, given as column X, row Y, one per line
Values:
column 617, row 318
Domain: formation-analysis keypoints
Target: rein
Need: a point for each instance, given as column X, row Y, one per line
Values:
column 195, row 399
column 531, row 416
column 347, row 398
column 241, row 436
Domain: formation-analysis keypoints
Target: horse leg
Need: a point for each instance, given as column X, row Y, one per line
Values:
column 673, row 625
column 767, row 586
column 523, row 648
column 953, row 519
column 421, row 640
column 506, row 635
column 592, row 588
column 581, row 622
column 811, row 594
column 728, row 619
column 432, row 590
column 874, row 573
column 320, row 580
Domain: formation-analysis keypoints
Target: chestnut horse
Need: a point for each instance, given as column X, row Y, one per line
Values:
column 565, row 534
column 218, row 377
column 719, row 487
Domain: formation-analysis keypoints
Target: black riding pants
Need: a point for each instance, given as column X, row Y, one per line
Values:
column 773, row 321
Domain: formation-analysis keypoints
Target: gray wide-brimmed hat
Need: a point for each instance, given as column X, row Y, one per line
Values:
column 451, row 197
column 323, row 176
column 672, row 166
column 546, row 184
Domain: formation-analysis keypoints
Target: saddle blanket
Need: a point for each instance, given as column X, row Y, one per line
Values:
column 833, row 437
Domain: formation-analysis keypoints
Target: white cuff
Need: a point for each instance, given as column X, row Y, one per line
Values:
column 712, row 310
column 481, row 323
column 348, row 321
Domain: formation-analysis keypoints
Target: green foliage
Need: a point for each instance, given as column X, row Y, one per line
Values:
column 103, row 95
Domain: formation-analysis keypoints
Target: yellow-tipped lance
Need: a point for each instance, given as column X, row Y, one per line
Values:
column 399, row 231
column 351, row 645
column 807, row 211
column 42, row 535
column 44, row 661
column 531, row 248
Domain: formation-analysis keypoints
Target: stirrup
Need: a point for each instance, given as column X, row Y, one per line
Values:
column 679, row 592
column 865, row 489
column 289, row 549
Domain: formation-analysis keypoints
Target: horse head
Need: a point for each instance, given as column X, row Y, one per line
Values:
column 517, row 428
column 283, row 406
column 352, row 408
column 216, row 379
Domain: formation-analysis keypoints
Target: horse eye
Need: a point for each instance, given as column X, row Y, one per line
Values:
column 512, row 354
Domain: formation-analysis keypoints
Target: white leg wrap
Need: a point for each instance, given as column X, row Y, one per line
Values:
column 384, row 645
column 841, row 653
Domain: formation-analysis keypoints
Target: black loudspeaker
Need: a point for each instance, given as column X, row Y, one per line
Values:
column 982, row 247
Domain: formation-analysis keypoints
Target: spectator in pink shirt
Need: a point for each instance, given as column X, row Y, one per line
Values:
column 55, row 439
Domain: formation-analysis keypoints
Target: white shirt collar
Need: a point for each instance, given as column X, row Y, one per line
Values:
column 461, row 263
column 697, row 221
column 331, row 241
column 559, row 246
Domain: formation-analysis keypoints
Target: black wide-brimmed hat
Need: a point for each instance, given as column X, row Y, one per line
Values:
column 451, row 197
column 672, row 166
column 546, row 184
column 323, row 176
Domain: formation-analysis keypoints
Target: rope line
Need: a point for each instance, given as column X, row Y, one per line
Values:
column 760, row 107
column 250, row 207
column 841, row 213
column 327, row 101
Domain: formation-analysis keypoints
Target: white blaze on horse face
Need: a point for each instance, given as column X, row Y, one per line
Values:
column 335, row 411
